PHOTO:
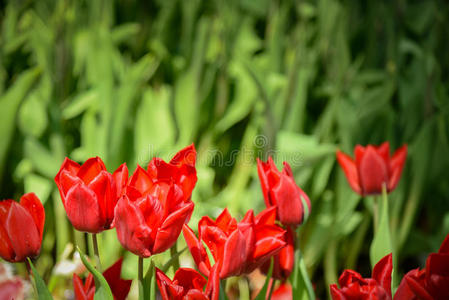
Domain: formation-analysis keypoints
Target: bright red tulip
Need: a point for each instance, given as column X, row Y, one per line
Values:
column 188, row 284
column 237, row 248
column 372, row 168
column 119, row 287
column 283, row 292
column 431, row 282
column 284, row 261
column 354, row 286
column 89, row 193
column 180, row 170
column 150, row 215
column 21, row 228
column 279, row 189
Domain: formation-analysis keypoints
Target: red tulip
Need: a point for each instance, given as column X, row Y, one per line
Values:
column 119, row 287
column 237, row 248
column 279, row 189
column 21, row 228
column 150, row 215
column 181, row 170
column 284, row 261
column 430, row 283
column 372, row 168
column 353, row 286
column 283, row 292
column 188, row 284
column 89, row 193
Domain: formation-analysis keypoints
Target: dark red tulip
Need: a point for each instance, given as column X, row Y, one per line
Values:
column 354, row 286
column 89, row 193
column 372, row 168
column 119, row 287
column 188, row 284
column 21, row 228
column 150, row 215
column 237, row 248
column 279, row 189
column 180, row 170
column 431, row 282
column 284, row 261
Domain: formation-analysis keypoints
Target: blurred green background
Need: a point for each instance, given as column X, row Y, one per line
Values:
column 129, row 80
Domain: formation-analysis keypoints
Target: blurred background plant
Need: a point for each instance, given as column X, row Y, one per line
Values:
column 129, row 80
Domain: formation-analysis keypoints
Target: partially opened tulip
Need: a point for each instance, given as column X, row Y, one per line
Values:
column 21, row 228
column 180, row 170
column 372, row 168
column 188, row 284
column 89, row 193
column 119, row 287
column 150, row 215
column 354, row 286
column 237, row 248
column 430, row 283
column 280, row 190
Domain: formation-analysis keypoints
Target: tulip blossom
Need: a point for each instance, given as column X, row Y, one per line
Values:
column 372, row 168
column 280, row 190
column 284, row 261
column 180, row 170
column 89, row 193
column 237, row 248
column 188, row 284
column 21, row 228
column 430, row 283
column 150, row 215
column 119, row 287
column 354, row 286
column 283, row 292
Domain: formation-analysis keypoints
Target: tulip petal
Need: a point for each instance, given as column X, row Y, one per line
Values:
column 90, row 169
column 83, row 210
column 78, row 288
column 384, row 151
column 350, row 170
column 186, row 156
column 168, row 233
column 197, row 250
column 235, row 255
column 213, row 283
column 267, row 216
column 121, row 179
column 69, row 166
column 261, row 171
column 162, row 282
column 397, row 163
column 373, row 172
column 266, row 247
column 189, row 279
column 6, row 250
column 104, row 187
column 66, row 181
column 288, row 199
column 226, row 222
column 132, row 231
column 412, row 287
column 23, row 232
column 382, row 272
column 141, row 181
column 34, row 206
column 119, row 287
column 336, row 293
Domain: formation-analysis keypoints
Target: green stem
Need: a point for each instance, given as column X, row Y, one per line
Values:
column 375, row 213
column 271, row 288
column 140, row 278
column 303, row 271
column 174, row 254
column 96, row 252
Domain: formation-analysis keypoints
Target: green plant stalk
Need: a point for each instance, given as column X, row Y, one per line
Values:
column 96, row 252
column 330, row 263
column 375, row 213
column 303, row 271
column 271, row 288
column 140, row 278
column 174, row 254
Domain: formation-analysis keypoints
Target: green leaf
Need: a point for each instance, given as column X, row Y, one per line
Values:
column 42, row 291
column 301, row 284
column 102, row 289
column 263, row 292
column 381, row 244
column 33, row 116
column 148, row 289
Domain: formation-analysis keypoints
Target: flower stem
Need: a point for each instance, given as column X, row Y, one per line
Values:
column 302, row 271
column 174, row 254
column 96, row 253
column 271, row 288
column 140, row 277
